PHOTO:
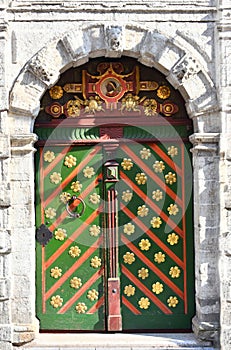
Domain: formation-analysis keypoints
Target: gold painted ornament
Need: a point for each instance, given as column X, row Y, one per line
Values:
column 144, row 303
column 129, row 258
column 56, row 92
column 142, row 210
column 81, row 308
column 144, row 244
column 76, row 282
column 50, row 213
column 173, row 209
column 129, row 290
column 157, row 195
column 94, row 198
column 163, row 92
column 55, row 178
column 70, row 161
column 94, row 230
column 150, row 107
column 74, row 251
column 158, row 166
column 172, row 151
column 96, row 262
column 170, row 178
column 129, row 228
column 92, row 294
column 157, row 288
column 60, row 234
column 145, row 153
column 89, row 172
column 49, row 156
column 126, row 164
column 174, row 272
column 172, row 238
column 130, row 103
column 159, row 257
column 76, row 186
column 56, row 301
column 141, row 178
column 172, row 301
column 156, row 222
column 73, row 108
column 127, row 196
column 93, row 105
column 56, row 272
column 65, row 197
column 143, row 273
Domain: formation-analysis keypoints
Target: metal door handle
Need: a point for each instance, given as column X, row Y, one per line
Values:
column 70, row 212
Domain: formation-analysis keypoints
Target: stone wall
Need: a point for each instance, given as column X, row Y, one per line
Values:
column 188, row 41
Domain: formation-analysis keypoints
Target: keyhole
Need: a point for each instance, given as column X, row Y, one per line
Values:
column 113, row 291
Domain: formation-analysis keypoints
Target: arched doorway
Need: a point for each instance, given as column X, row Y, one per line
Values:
column 113, row 201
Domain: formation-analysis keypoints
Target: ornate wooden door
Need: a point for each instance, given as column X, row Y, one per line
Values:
column 114, row 202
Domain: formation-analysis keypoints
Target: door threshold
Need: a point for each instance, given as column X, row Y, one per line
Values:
column 113, row 341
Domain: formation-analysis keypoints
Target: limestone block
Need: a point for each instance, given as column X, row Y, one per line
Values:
column 4, row 266
column 134, row 38
column 5, row 333
column 22, row 215
column 4, row 289
column 5, row 194
column 18, row 240
column 4, row 217
column 21, row 192
column 5, row 345
column 23, row 264
column 4, row 146
column 5, row 312
column 22, row 169
column 5, row 242
column 152, row 47
column 22, row 310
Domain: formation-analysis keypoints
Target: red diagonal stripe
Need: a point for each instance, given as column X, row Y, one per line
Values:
column 130, row 306
column 95, row 307
column 70, row 177
column 166, row 158
column 57, row 159
column 146, row 291
column 155, row 239
column 155, row 207
column 80, row 292
column 152, row 175
column 72, row 238
column 155, row 269
column 74, row 267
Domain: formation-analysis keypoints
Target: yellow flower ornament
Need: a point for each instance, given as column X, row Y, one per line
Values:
column 126, row 196
column 127, row 164
column 145, row 153
column 89, row 172
column 56, row 301
column 172, row 151
column 170, row 178
column 50, row 213
column 163, row 92
column 144, row 244
column 143, row 273
column 142, row 210
column 92, row 294
column 94, row 198
column 96, row 262
column 159, row 257
column 60, row 234
column 76, row 282
column 65, row 197
column 144, row 303
column 141, row 178
column 157, row 288
column 172, row 238
column 157, row 195
column 174, row 272
column 55, row 178
column 76, row 186
column 81, row 308
column 156, row 222
column 74, row 251
column 129, row 290
column 94, row 230
column 49, row 156
column 173, row 209
column 129, row 258
column 158, row 166
column 56, row 272
column 70, row 161
column 129, row 229
column 172, row 301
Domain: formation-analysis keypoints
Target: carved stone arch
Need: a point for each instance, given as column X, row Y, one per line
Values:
column 184, row 69
column 187, row 71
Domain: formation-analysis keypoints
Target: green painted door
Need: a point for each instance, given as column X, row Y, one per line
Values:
column 128, row 256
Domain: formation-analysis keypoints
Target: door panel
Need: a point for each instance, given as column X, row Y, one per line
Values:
column 155, row 223
column 144, row 220
column 70, row 267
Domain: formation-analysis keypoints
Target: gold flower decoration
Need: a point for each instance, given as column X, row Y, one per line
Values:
column 74, row 251
column 76, row 186
column 129, row 229
column 49, row 156
column 56, row 301
column 170, row 178
column 145, row 153
column 157, row 195
column 95, row 262
column 60, row 234
column 56, row 92
column 174, row 272
column 56, row 272
column 127, row 164
column 158, row 166
column 159, row 257
column 156, row 222
column 173, row 209
column 94, row 198
column 143, row 273
column 76, row 282
column 150, row 107
column 65, row 197
column 81, row 308
column 55, row 178
column 142, row 210
column 92, row 294
column 172, row 238
column 127, row 196
column 163, row 92
column 144, row 303
column 94, row 230
column 144, row 244
column 157, row 288
column 129, row 258
column 50, row 213
column 70, row 161
column 129, row 290
column 172, row 301
column 141, row 178
column 172, row 151
column 89, row 172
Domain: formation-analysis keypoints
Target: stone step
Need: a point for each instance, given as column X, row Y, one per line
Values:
column 117, row 341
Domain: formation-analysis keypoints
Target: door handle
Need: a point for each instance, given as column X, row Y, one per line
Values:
column 70, row 204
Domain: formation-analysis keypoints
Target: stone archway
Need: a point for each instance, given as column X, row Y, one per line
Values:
column 185, row 69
